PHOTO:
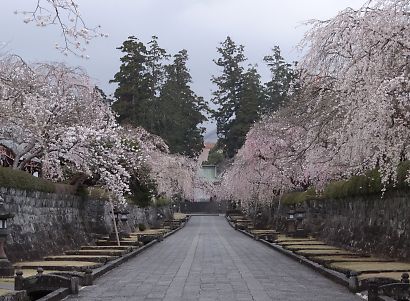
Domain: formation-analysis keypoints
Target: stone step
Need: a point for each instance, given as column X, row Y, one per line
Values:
column 161, row 231
column 108, row 252
column 173, row 222
column 89, row 258
column 264, row 231
column 58, row 265
column 105, row 242
column 110, row 247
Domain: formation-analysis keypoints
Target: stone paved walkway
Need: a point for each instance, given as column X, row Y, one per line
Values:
column 207, row 261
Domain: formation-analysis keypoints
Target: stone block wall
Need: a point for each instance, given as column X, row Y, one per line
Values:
column 373, row 224
column 47, row 224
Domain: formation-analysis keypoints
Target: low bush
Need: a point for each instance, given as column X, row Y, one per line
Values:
column 368, row 184
column 299, row 197
column 18, row 179
column 161, row 201
column 142, row 227
column 402, row 174
column 97, row 193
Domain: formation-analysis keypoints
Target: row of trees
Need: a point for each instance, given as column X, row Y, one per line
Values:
column 241, row 98
column 157, row 96
column 155, row 93
column 55, row 115
column 350, row 114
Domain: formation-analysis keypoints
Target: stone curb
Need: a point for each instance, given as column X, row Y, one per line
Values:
column 57, row 295
column 204, row 214
column 14, row 296
column 337, row 277
column 116, row 262
column 61, row 293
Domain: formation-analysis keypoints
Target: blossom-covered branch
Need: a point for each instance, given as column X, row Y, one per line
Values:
column 65, row 14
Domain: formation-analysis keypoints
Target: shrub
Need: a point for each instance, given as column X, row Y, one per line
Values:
column 299, row 197
column 97, row 193
column 142, row 227
column 161, row 201
column 367, row 184
column 18, row 179
column 402, row 174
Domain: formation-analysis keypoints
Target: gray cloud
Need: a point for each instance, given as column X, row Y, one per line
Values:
column 196, row 25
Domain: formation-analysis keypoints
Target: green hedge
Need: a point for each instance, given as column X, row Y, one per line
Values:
column 402, row 172
column 162, row 201
column 367, row 184
column 299, row 197
column 17, row 179
column 97, row 193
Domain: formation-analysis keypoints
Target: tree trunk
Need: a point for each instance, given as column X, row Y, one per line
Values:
column 115, row 224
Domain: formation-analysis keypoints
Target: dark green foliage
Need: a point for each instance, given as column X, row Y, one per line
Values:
column 158, row 97
column 229, row 86
column 368, row 184
column 282, row 77
column 402, row 173
column 133, row 92
column 142, row 227
column 247, row 111
column 180, row 110
column 17, row 179
column 215, row 156
column 142, row 189
column 162, row 201
column 241, row 97
column 299, row 197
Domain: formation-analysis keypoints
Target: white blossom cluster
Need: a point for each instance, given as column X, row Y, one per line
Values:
column 65, row 14
column 173, row 173
column 54, row 114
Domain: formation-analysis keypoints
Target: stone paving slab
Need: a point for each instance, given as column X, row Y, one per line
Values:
column 207, row 261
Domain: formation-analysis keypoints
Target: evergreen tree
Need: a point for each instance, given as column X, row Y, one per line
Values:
column 181, row 109
column 282, row 76
column 156, row 56
column 139, row 80
column 251, row 96
column 132, row 91
column 229, row 85
column 158, row 97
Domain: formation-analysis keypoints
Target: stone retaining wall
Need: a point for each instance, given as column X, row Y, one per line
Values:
column 375, row 225
column 47, row 224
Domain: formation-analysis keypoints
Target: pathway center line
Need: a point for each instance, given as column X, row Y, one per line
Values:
column 177, row 285
column 257, row 291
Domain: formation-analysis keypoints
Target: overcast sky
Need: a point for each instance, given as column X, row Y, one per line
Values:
column 196, row 25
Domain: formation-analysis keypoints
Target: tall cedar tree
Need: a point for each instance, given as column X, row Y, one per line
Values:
column 251, row 96
column 139, row 80
column 229, row 85
column 181, row 110
column 158, row 97
column 241, row 97
column 282, row 77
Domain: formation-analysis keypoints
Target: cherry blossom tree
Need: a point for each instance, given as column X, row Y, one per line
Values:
column 65, row 14
column 350, row 114
column 53, row 113
column 264, row 167
column 174, row 174
column 359, row 64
